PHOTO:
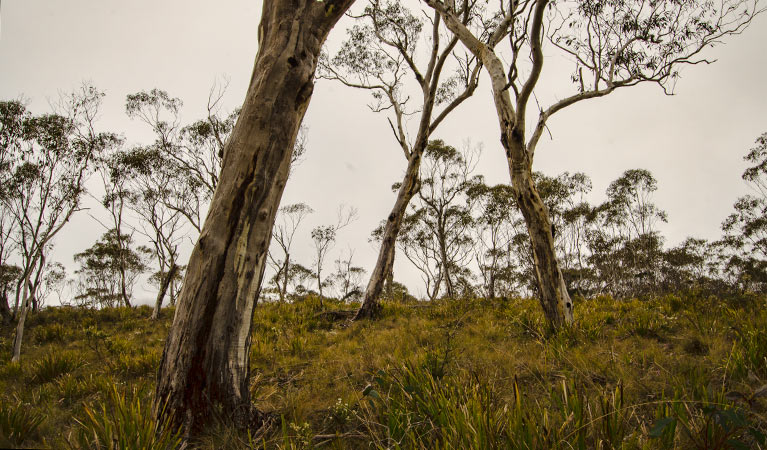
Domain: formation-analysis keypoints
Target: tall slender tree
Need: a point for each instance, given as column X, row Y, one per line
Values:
column 283, row 233
column 324, row 238
column 383, row 54
column 614, row 45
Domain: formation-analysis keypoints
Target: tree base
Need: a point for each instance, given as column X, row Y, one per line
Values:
column 255, row 422
column 369, row 310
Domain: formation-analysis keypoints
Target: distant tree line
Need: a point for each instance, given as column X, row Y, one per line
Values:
column 463, row 236
column 467, row 238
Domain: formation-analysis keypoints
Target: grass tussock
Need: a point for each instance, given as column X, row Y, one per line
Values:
column 123, row 422
column 671, row 372
column 18, row 424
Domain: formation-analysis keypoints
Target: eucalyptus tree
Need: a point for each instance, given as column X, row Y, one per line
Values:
column 298, row 278
column 689, row 265
column 437, row 230
column 46, row 181
column 9, row 276
column 446, row 177
column 613, row 45
column 416, row 242
column 204, row 370
column 290, row 218
column 12, row 116
column 625, row 245
column 109, row 270
column 564, row 197
column 324, row 238
column 389, row 50
column 495, row 207
column 744, row 243
column 152, row 179
column 630, row 203
column 347, row 277
column 116, row 170
column 52, row 281
column 198, row 157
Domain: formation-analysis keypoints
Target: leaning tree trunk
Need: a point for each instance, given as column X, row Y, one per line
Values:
column 389, row 283
column 385, row 262
column 204, row 369
column 163, row 290
column 554, row 299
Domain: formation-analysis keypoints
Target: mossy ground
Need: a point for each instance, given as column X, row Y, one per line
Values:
column 671, row 372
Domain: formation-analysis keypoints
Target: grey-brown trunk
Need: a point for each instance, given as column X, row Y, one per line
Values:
column 5, row 310
column 385, row 262
column 163, row 290
column 555, row 301
column 204, row 369
column 19, row 337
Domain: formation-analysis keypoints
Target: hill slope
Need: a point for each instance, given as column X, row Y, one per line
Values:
column 665, row 373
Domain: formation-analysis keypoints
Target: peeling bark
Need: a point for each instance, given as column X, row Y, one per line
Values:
column 204, row 369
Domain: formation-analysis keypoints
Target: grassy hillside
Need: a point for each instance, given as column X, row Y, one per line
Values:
column 666, row 373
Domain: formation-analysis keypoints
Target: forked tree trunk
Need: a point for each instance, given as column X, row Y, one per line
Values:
column 163, row 290
column 385, row 262
column 556, row 303
column 383, row 273
column 204, row 369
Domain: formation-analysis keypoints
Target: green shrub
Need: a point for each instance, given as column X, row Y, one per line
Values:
column 11, row 370
column 705, row 426
column 409, row 407
column 417, row 410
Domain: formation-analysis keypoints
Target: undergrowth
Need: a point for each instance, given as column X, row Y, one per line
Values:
column 670, row 372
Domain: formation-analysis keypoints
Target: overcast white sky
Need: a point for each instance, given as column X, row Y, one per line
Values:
column 693, row 142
